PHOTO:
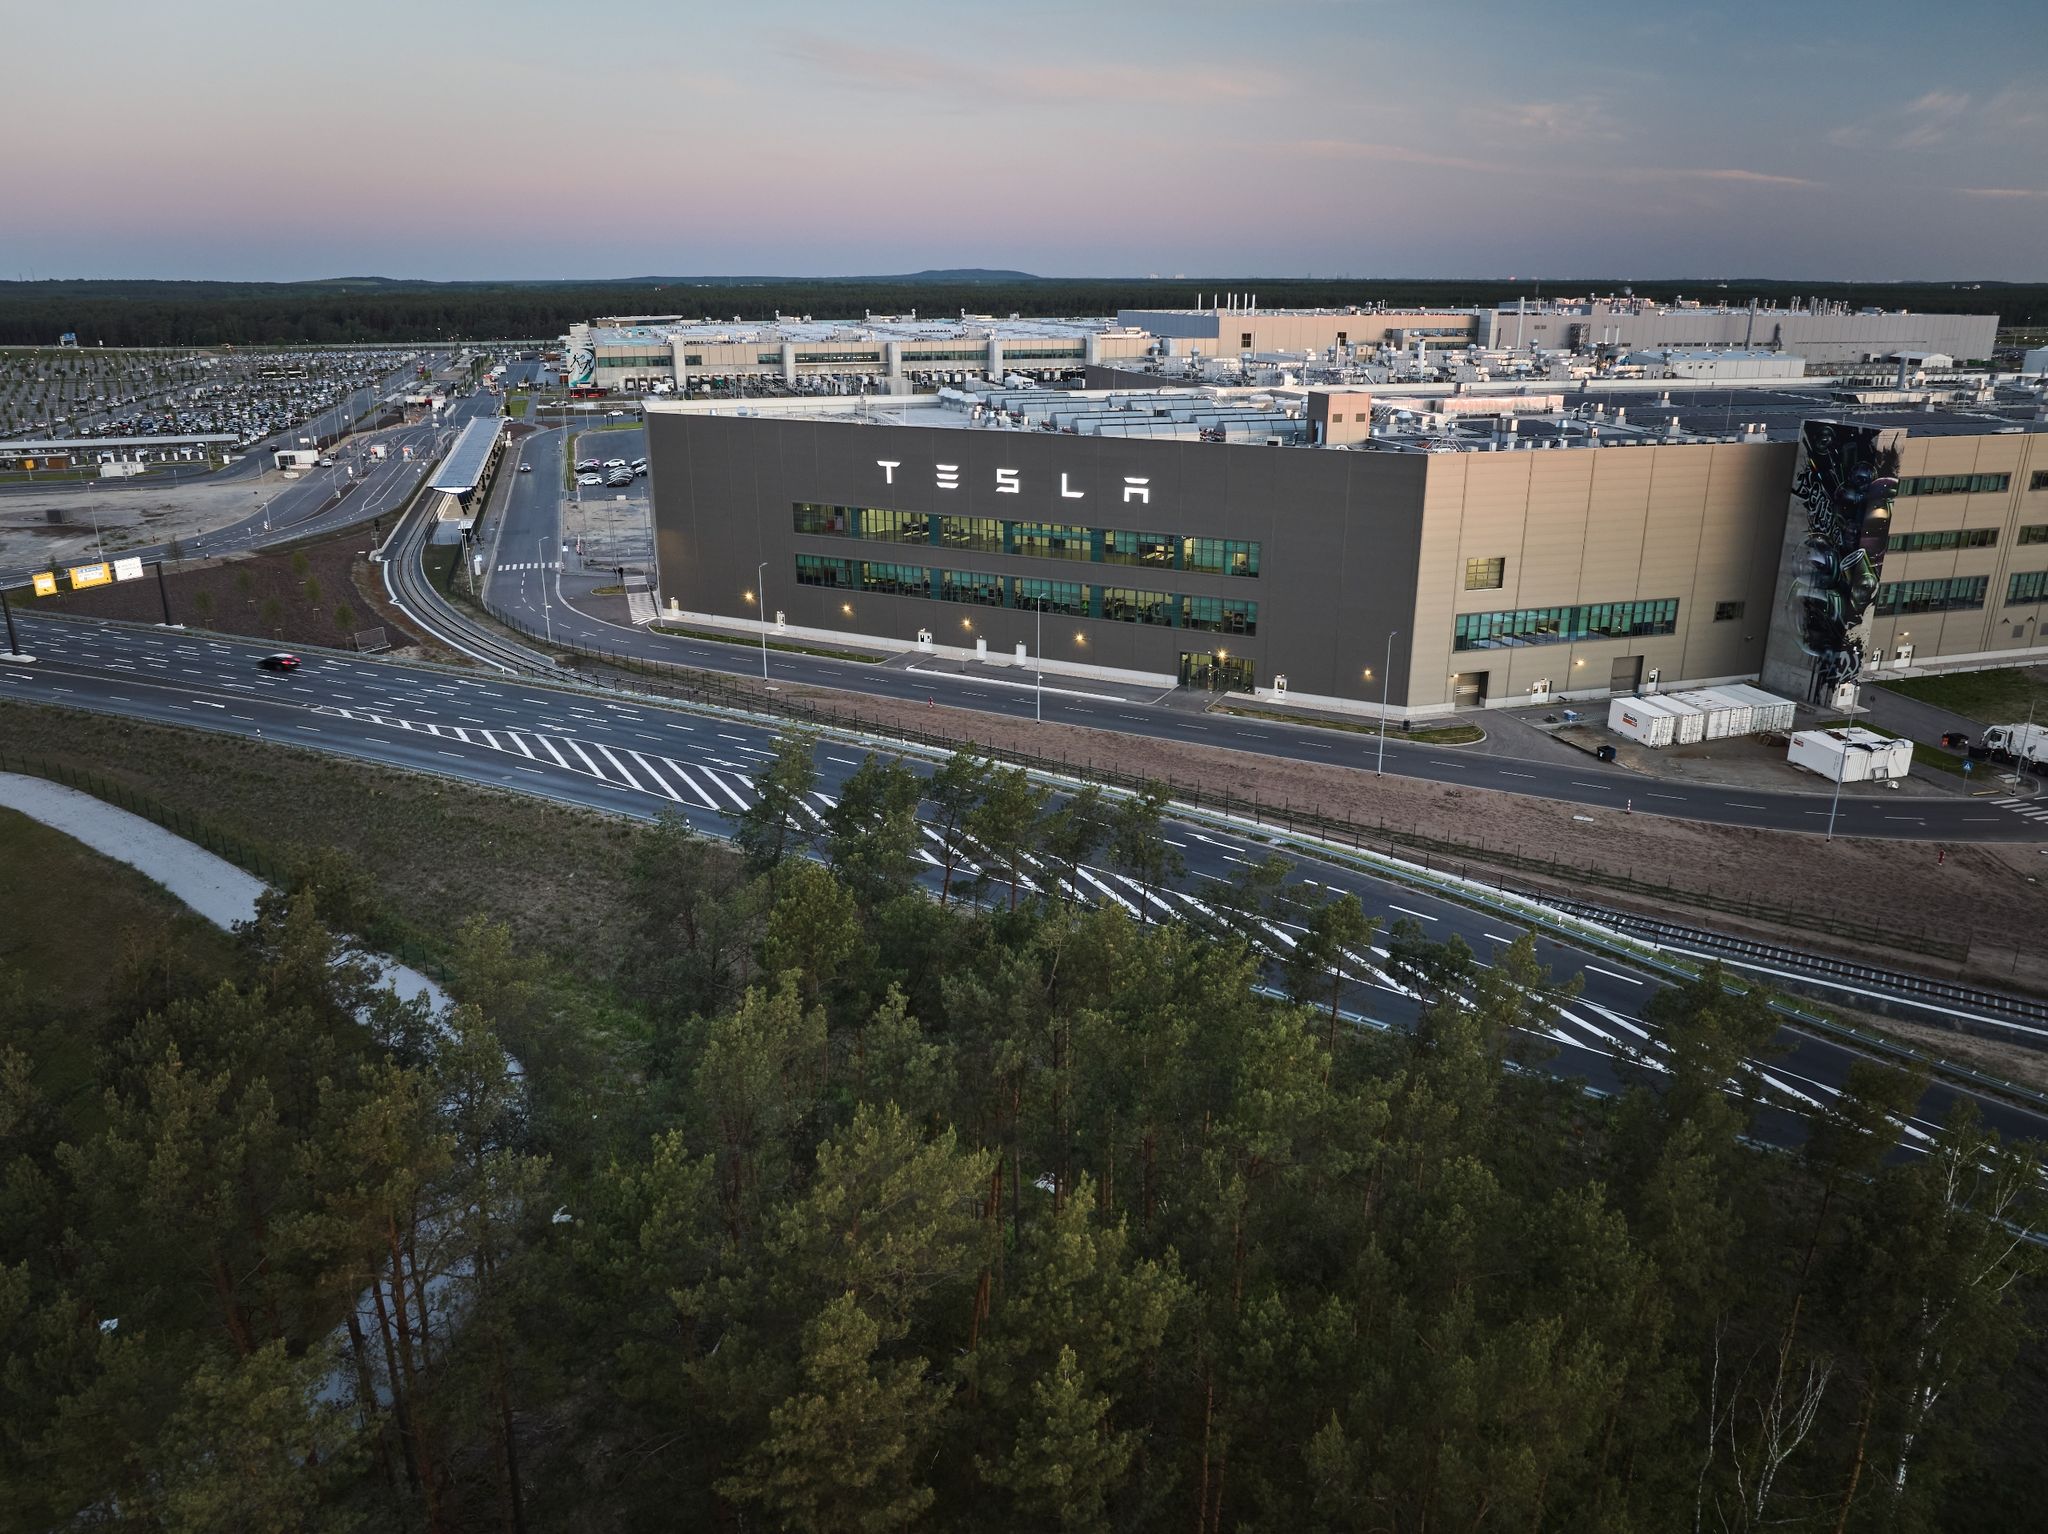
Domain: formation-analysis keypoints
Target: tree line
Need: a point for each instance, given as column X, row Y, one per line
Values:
column 847, row 1204
column 339, row 312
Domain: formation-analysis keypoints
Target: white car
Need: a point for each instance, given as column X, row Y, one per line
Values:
column 588, row 479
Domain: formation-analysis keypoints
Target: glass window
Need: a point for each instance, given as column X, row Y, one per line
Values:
column 970, row 586
column 895, row 580
column 1953, row 538
column 816, row 570
column 2026, row 586
column 1154, row 549
column 2038, row 480
column 1725, row 612
column 984, row 535
column 1219, row 615
column 1954, row 484
column 1068, row 597
column 2038, row 533
column 811, row 517
column 1485, row 574
column 896, row 526
column 1126, row 604
column 1563, row 625
column 1049, row 540
column 1219, row 556
column 1957, row 595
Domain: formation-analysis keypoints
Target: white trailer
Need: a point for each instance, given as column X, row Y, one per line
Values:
column 1641, row 721
column 1741, row 716
column 1691, row 721
column 1850, row 754
column 1768, row 711
column 1721, row 712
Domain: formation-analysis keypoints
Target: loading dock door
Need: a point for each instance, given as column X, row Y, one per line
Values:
column 1625, row 677
column 1468, row 689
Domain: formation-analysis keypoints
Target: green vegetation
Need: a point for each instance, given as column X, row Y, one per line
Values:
column 121, row 312
column 1439, row 735
column 516, row 404
column 821, row 1205
column 2001, row 696
column 774, row 644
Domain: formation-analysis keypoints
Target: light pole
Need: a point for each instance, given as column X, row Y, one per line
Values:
column 540, row 547
column 1841, row 772
column 1386, row 666
column 1038, row 693
column 761, row 606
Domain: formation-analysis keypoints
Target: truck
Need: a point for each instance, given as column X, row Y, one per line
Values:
column 2023, row 744
column 379, row 450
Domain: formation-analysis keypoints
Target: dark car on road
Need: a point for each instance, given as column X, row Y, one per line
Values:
column 279, row 662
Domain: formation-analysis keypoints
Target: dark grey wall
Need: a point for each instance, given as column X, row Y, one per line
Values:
column 1339, row 535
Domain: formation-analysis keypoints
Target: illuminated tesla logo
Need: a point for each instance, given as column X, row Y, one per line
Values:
column 946, row 476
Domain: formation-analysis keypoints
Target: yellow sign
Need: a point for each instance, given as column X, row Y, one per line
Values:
column 46, row 583
column 89, row 575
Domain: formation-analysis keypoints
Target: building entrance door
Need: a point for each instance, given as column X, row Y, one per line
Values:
column 1625, row 676
column 1468, row 689
column 1210, row 672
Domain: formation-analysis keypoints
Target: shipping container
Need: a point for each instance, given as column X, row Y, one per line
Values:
column 1768, row 711
column 1723, row 714
column 1641, row 721
column 1850, row 754
column 1691, row 721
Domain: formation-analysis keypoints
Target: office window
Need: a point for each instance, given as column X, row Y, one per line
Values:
column 983, row 535
column 2037, row 533
column 896, row 526
column 1485, row 574
column 811, row 517
column 1953, row 538
column 816, row 570
column 1244, row 340
column 1125, row 604
column 1726, row 612
column 1154, row 549
column 1954, row 484
column 693, row 359
column 1049, row 540
column 1219, row 615
column 890, row 580
column 1956, row 595
column 2026, row 586
column 1563, row 625
column 1067, row 597
column 2038, row 480
column 972, row 587
column 1219, row 556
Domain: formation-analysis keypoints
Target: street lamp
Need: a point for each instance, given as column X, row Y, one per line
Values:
column 540, row 547
column 1038, row 693
column 1385, row 669
column 761, row 590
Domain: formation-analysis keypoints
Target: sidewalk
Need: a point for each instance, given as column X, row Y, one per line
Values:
column 212, row 886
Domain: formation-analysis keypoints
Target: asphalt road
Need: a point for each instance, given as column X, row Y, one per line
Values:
column 640, row 759
column 531, row 599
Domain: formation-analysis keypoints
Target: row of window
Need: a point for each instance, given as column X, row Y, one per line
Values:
column 2036, row 533
column 1954, row 538
column 1565, row 625
column 2026, row 586
column 658, row 360
column 1116, row 604
column 1036, row 540
column 1954, row 484
column 1956, row 594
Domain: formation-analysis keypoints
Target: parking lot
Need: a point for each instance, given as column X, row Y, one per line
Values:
column 67, row 392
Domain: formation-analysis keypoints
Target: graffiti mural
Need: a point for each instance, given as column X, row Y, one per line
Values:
column 1847, row 477
column 582, row 367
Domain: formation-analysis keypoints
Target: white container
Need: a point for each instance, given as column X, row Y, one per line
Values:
column 1719, row 712
column 1691, row 721
column 1640, row 721
column 1768, row 711
column 1741, row 717
column 1850, row 754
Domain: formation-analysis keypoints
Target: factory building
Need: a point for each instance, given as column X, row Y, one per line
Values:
column 1504, row 549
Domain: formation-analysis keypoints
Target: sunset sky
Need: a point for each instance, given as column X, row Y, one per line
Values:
column 448, row 139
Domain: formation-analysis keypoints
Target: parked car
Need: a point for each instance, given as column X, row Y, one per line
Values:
column 589, row 479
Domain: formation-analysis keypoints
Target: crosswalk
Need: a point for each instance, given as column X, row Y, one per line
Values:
column 534, row 564
column 2034, row 808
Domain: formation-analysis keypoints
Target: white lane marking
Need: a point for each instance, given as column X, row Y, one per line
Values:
column 842, row 761
column 692, row 784
column 1496, row 937
column 659, row 781
column 551, row 751
column 1506, row 774
column 1406, row 912
column 624, row 771
column 720, row 784
column 595, row 770
column 1594, row 969
column 516, row 741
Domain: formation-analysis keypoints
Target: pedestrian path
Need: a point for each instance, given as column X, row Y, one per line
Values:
column 2034, row 809
column 534, row 564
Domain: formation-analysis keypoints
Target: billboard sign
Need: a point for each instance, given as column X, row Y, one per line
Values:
column 45, row 583
column 83, row 576
column 127, row 569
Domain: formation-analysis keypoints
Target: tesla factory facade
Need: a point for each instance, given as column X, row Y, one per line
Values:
column 1241, row 555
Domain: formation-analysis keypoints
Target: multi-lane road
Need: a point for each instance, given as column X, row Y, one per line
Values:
column 525, row 589
column 637, row 758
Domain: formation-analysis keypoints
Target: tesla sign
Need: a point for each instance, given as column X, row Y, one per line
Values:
column 946, row 476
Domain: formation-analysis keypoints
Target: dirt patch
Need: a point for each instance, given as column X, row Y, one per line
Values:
column 319, row 594
column 1985, row 898
column 1994, row 1057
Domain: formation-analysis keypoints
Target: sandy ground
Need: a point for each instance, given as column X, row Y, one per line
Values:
column 131, row 515
column 1745, row 762
column 1986, row 895
column 212, row 886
